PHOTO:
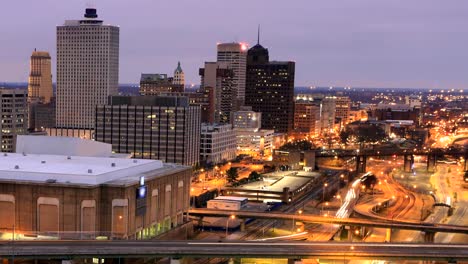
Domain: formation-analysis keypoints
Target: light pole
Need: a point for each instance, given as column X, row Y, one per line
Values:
column 323, row 194
column 227, row 223
column 294, row 221
column 341, row 200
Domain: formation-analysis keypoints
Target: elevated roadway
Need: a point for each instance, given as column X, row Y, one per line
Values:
column 396, row 224
column 205, row 249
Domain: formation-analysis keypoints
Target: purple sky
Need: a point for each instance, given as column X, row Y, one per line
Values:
column 365, row 43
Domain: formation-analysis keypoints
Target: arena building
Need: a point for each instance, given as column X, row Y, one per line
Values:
column 68, row 196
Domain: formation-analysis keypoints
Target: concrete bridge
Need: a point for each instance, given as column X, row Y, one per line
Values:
column 294, row 251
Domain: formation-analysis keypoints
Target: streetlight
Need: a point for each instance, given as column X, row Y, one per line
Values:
column 323, row 193
column 294, row 222
column 227, row 223
column 341, row 200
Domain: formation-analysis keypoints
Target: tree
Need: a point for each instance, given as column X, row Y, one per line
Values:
column 232, row 175
column 254, row 176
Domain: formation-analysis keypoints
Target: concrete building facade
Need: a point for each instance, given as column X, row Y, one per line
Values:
column 87, row 69
column 220, row 78
column 40, row 78
column 14, row 111
column 217, row 143
column 179, row 76
column 158, row 84
column 307, row 117
column 165, row 128
column 234, row 55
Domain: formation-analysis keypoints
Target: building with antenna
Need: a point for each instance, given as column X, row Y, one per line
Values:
column 270, row 89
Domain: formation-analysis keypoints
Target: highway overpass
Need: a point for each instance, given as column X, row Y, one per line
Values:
column 396, row 224
column 228, row 249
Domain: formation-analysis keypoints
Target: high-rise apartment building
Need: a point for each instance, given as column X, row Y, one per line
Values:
column 158, row 84
column 14, row 110
column 234, row 55
column 270, row 89
column 219, row 77
column 40, row 78
column 87, row 69
column 165, row 128
column 179, row 76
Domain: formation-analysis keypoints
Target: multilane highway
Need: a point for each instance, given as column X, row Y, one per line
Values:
column 331, row 220
column 175, row 249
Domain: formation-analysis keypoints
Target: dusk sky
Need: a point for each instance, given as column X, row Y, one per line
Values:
column 360, row 43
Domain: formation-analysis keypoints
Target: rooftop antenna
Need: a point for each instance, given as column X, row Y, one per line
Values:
column 258, row 35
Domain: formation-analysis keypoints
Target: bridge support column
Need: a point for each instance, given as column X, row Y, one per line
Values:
column 361, row 164
column 242, row 225
column 175, row 261
column 388, row 235
column 429, row 237
column 409, row 162
column 200, row 221
column 294, row 261
column 431, row 162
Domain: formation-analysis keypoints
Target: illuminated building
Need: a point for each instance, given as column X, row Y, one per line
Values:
column 270, row 89
column 250, row 139
column 234, row 56
column 218, row 143
column 342, row 108
column 165, row 128
column 179, row 76
column 82, row 197
column 14, row 109
column 218, row 79
column 87, row 69
column 40, row 78
column 306, row 117
column 157, row 84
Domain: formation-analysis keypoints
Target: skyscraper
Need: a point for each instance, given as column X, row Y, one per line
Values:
column 179, row 77
column 219, row 77
column 87, row 69
column 270, row 89
column 234, row 55
column 40, row 78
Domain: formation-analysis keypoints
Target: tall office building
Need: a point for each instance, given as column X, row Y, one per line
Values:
column 165, row 128
column 14, row 109
column 179, row 76
column 220, row 78
column 270, row 89
column 234, row 55
column 40, row 78
column 87, row 69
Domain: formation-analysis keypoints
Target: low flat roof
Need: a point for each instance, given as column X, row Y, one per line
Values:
column 81, row 170
column 231, row 198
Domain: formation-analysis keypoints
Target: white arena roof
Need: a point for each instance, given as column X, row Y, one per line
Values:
column 79, row 170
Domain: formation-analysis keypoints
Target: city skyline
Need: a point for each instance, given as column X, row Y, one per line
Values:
column 360, row 43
